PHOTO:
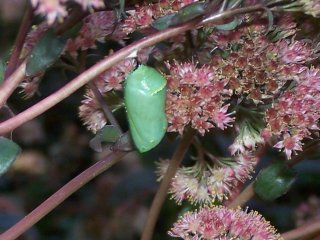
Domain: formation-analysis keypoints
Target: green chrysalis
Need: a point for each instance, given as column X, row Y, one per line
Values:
column 144, row 95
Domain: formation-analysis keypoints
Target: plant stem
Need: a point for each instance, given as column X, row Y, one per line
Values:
column 243, row 197
column 8, row 86
column 15, row 78
column 59, row 196
column 105, row 108
column 302, row 231
column 18, row 44
column 106, row 63
column 165, row 184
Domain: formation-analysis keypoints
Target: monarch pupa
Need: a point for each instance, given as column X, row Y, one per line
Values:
column 144, row 94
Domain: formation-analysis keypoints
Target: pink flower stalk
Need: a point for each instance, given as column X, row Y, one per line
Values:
column 204, row 184
column 223, row 224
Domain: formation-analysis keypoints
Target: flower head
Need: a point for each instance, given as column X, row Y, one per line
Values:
column 91, row 113
column 57, row 9
column 195, row 95
column 203, row 183
column 311, row 7
column 247, row 139
column 290, row 144
column 296, row 113
column 222, row 223
column 51, row 9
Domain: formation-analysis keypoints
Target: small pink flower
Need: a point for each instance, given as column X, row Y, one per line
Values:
column 295, row 52
column 247, row 139
column 30, row 85
column 221, row 118
column 290, row 144
column 51, row 9
column 91, row 114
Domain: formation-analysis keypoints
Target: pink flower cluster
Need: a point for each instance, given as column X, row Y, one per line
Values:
column 143, row 15
column 57, row 9
column 96, row 27
column 296, row 114
column 195, row 95
column 261, row 69
column 221, row 223
column 258, row 68
column 204, row 183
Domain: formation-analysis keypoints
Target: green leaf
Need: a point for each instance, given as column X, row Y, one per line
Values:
column 189, row 12
column 46, row 51
column 270, row 19
column 8, row 153
column 1, row 71
column 163, row 22
column 72, row 32
column 108, row 133
column 121, row 7
column 229, row 26
column 274, row 181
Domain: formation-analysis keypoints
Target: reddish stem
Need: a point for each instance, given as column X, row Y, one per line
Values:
column 18, row 44
column 59, row 196
column 7, row 87
column 243, row 197
column 302, row 231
